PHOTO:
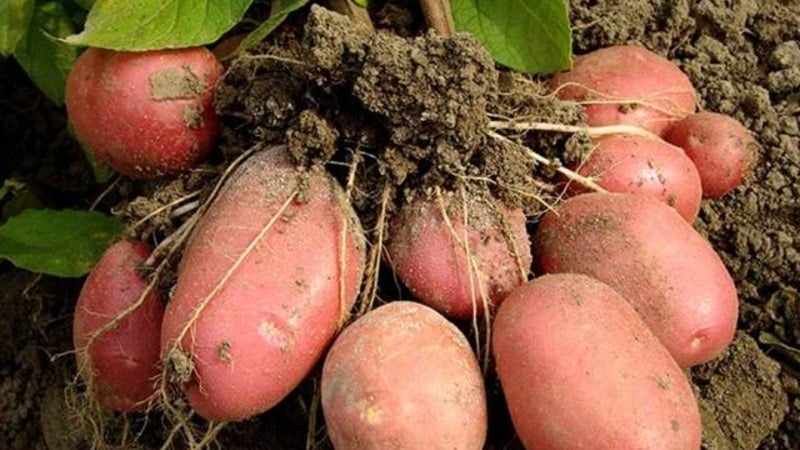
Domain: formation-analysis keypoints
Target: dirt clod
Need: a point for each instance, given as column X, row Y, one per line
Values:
column 742, row 394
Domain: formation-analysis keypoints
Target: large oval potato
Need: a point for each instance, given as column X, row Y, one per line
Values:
column 628, row 84
column 119, row 365
column 403, row 377
column 431, row 254
column 649, row 254
column 268, row 273
column 581, row 370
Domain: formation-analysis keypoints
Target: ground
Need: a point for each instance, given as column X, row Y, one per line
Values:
column 742, row 56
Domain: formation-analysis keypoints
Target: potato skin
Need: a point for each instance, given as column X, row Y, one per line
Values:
column 433, row 264
column 636, row 164
column 268, row 319
column 723, row 150
column 652, row 257
column 580, row 370
column 145, row 114
column 628, row 73
column 123, row 363
column 403, row 377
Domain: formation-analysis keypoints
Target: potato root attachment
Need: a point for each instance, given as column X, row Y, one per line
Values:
column 118, row 356
column 646, row 251
column 627, row 84
column 403, row 377
column 723, row 150
column 456, row 254
column 145, row 114
column 580, row 369
column 271, row 269
column 626, row 163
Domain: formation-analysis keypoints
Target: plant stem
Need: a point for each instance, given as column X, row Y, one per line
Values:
column 439, row 16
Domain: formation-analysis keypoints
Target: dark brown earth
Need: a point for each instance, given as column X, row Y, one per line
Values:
column 331, row 100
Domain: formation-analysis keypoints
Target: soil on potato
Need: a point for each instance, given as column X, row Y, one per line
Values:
column 337, row 95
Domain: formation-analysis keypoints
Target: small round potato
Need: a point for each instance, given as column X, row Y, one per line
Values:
column 625, row 163
column 145, row 114
column 723, row 150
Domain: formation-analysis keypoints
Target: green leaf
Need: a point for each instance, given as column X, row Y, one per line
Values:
column 136, row 25
column 62, row 243
column 15, row 18
column 46, row 60
column 362, row 3
column 530, row 36
column 280, row 11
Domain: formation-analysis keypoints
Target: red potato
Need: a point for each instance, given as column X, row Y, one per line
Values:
column 649, row 254
column 403, row 377
column 723, row 150
column 625, row 163
column 428, row 258
column 630, row 85
column 145, row 114
column 580, row 370
column 121, row 364
column 272, row 267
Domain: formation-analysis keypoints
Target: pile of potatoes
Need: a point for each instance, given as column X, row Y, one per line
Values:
column 590, row 351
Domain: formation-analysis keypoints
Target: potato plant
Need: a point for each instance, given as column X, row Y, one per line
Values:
column 346, row 185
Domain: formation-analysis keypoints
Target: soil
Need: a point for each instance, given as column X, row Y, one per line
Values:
column 417, row 103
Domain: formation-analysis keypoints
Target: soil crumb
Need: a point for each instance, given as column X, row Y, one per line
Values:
column 742, row 397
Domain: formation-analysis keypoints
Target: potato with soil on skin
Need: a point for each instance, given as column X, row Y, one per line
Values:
column 723, row 150
column 649, row 254
column 430, row 255
column 580, row 369
column 272, row 267
column 636, row 164
column 403, row 377
column 121, row 364
column 627, row 84
column 145, row 114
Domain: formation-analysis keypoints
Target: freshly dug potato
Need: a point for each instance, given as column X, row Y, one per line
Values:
column 268, row 273
column 581, row 370
column 403, row 377
column 145, row 114
column 627, row 84
column 626, row 163
column 430, row 255
column 723, row 150
column 646, row 251
column 121, row 364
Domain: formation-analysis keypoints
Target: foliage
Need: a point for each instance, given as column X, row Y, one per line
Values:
column 28, row 30
column 136, row 25
column 530, row 36
column 62, row 243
